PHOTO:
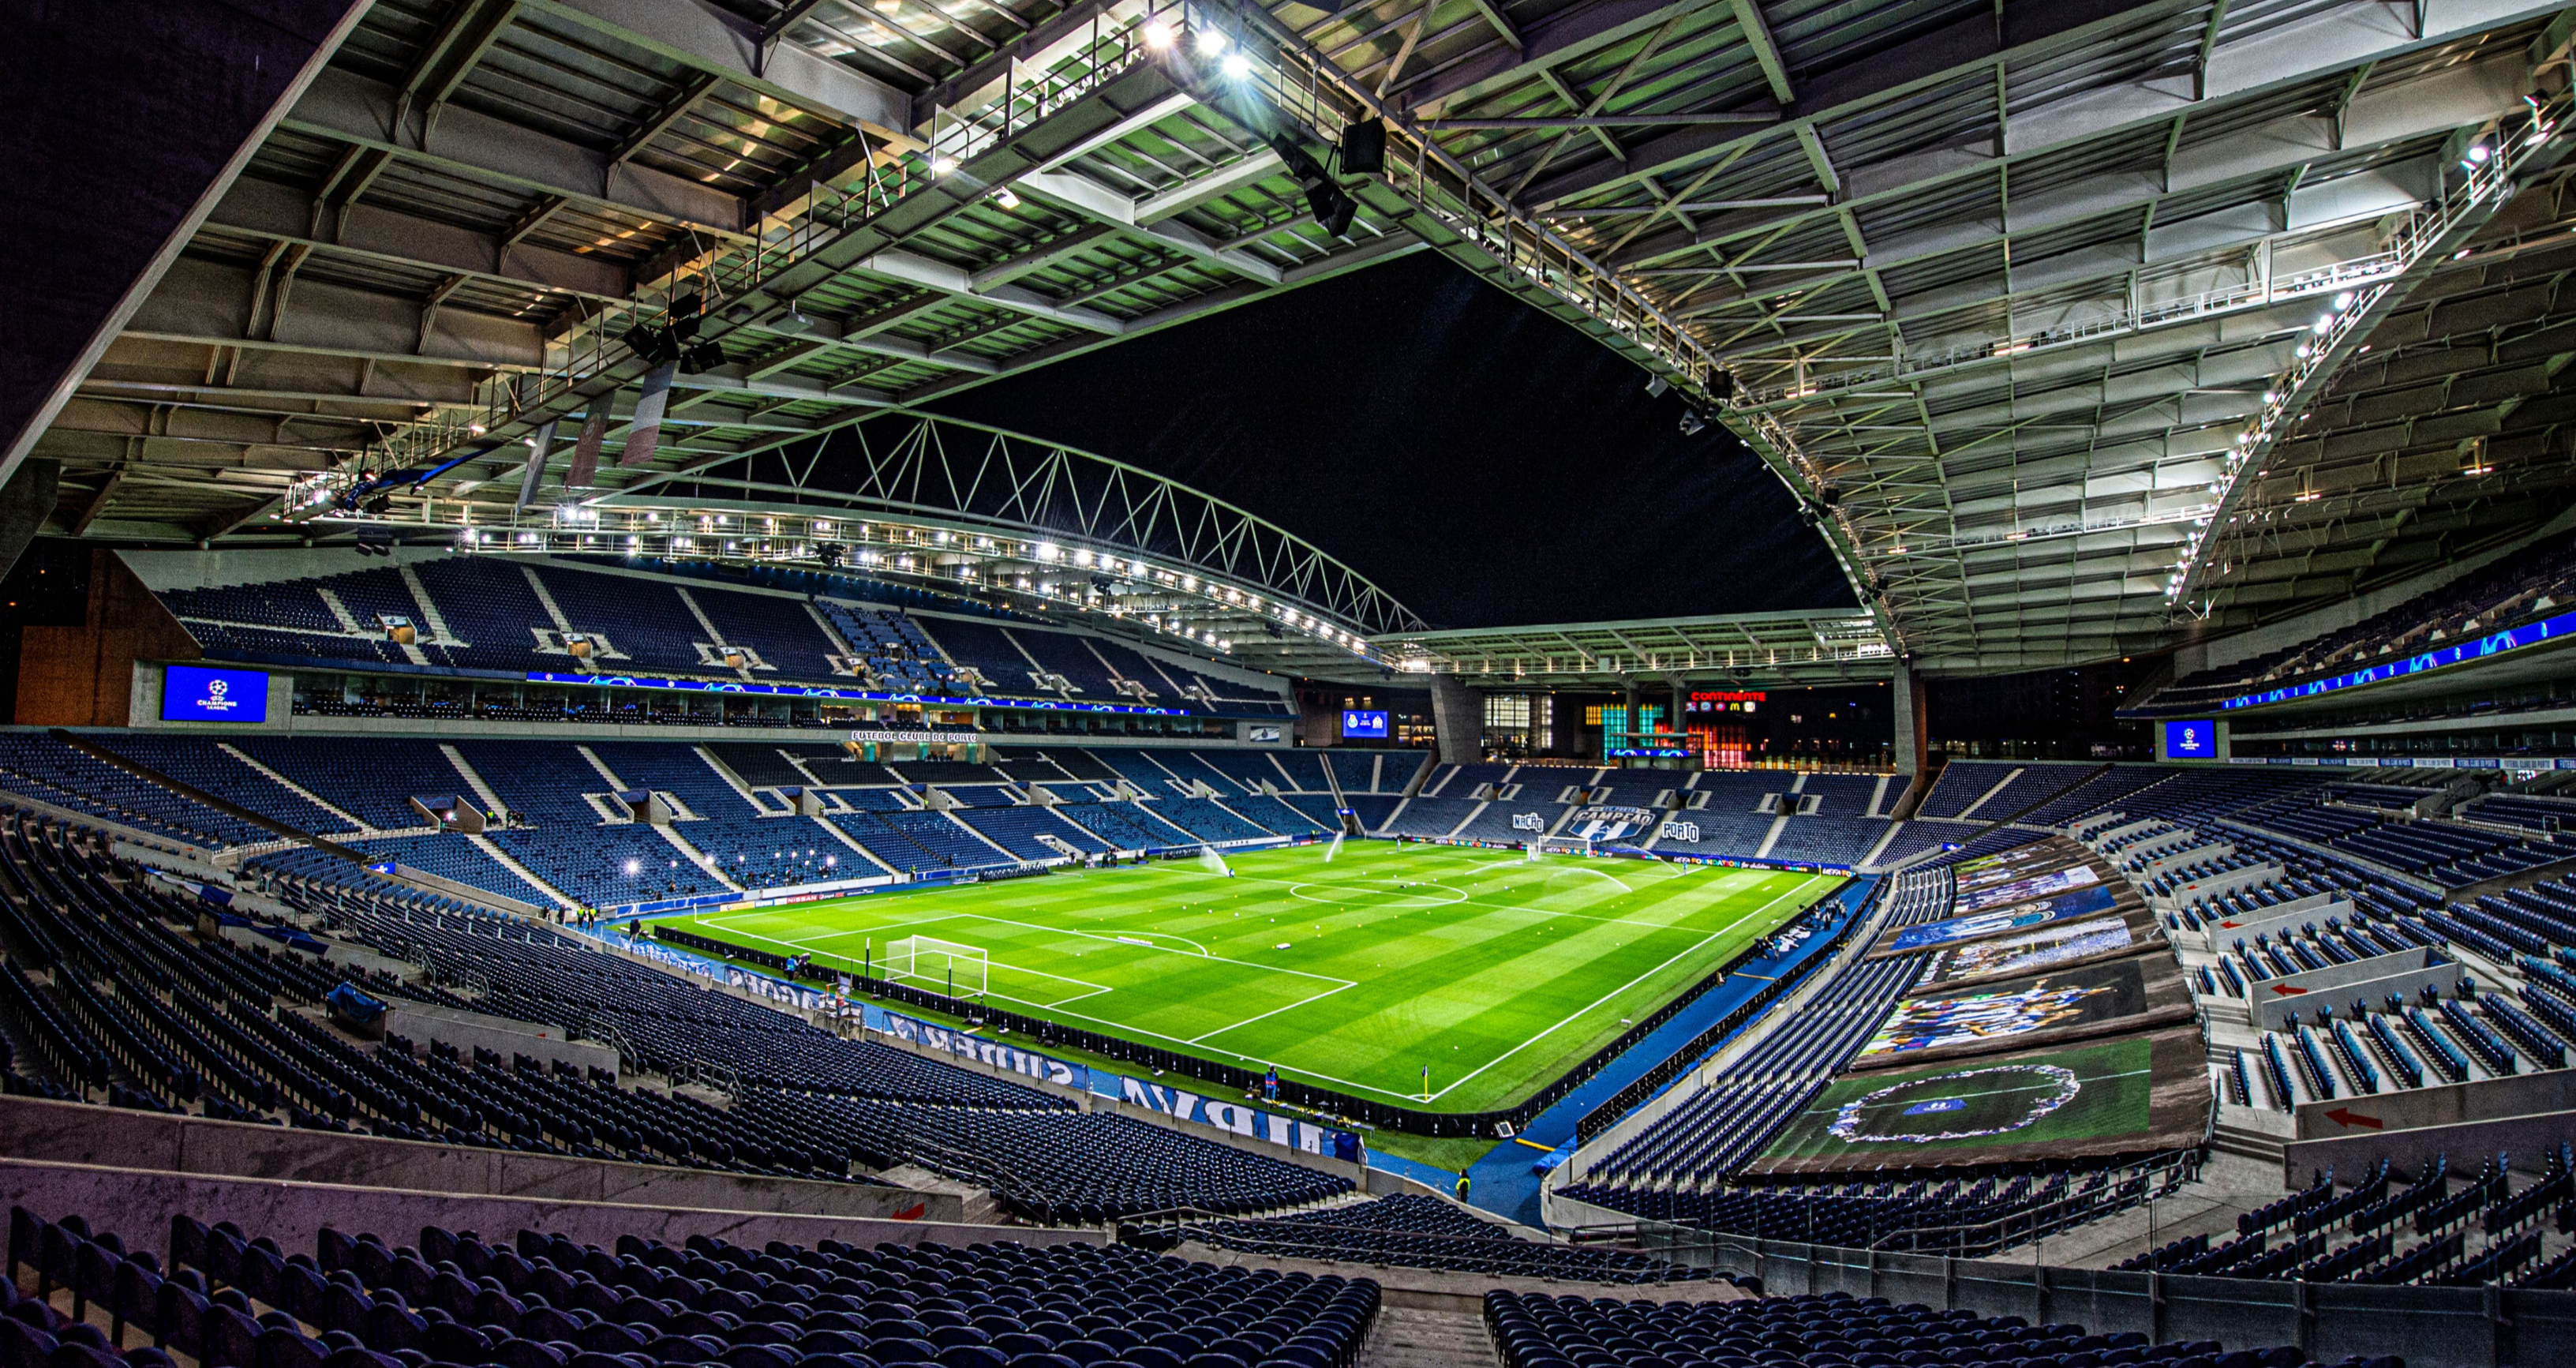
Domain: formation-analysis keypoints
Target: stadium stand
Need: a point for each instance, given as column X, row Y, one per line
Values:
column 833, row 1304
column 991, row 652
column 1425, row 1232
column 891, row 649
column 2533, row 583
column 1539, row 1330
column 510, row 616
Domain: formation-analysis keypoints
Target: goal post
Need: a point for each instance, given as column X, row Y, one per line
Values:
column 927, row 962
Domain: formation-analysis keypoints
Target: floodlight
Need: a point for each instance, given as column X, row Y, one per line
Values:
column 1157, row 35
column 1236, row 66
column 1209, row 42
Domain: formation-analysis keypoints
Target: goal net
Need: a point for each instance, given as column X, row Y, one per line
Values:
column 925, row 962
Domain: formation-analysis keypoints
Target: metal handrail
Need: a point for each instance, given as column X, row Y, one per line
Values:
column 2486, row 179
column 1312, row 89
column 596, row 344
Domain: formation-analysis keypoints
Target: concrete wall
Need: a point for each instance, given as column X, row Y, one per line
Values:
column 84, row 676
column 137, row 1205
column 74, row 1133
column 2527, row 1141
column 1457, row 721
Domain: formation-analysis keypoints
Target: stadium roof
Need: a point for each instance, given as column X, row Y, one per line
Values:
column 1996, row 285
column 1763, row 649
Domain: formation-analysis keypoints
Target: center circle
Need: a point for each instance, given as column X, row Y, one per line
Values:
column 1402, row 897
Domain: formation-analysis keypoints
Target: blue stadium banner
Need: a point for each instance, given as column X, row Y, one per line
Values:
column 826, row 691
column 1236, row 1118
column 996, row 1053
column 2494, row 643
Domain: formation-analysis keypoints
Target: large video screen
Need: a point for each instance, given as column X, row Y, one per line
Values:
column 2196, row 739
column 202, row 693
column 1361, row 724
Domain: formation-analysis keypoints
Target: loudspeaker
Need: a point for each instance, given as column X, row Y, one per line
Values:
column 1364, row 148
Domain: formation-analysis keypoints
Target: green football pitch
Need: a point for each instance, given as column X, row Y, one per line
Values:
column 1354, row 971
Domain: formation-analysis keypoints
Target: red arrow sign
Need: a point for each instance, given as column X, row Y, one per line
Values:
column 2285, row 990
column 2345, row 1116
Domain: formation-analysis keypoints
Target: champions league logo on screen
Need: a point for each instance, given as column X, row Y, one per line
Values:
column 2194, row 740
column 196, row 693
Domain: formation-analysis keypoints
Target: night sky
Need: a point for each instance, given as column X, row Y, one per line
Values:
column 1481, row 461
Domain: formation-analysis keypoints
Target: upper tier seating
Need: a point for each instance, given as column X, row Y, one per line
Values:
column 2534, row 582
column 898, row 656
column 510, row 616
column 781, row 632
column 988, row 650
column 647, row 622
column 1066, row 656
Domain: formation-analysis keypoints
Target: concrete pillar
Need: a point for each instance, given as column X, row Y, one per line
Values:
column 1457, row 721
column 126, row 123
column 1913, row 730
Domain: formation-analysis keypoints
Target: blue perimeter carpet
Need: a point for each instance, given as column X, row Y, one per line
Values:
column 1503, row 1182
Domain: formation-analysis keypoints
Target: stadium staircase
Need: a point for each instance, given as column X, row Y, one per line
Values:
column 1421, row 1337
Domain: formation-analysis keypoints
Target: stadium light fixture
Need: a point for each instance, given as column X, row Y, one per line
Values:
column 1157, row 35
column 1209, row 42
column 1236, row 66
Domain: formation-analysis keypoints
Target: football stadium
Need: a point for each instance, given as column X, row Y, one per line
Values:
column 1288, row 684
